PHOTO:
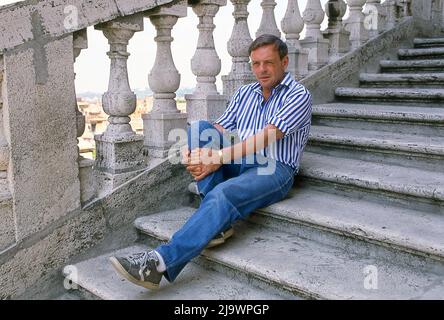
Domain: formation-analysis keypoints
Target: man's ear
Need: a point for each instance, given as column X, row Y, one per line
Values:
column 285, row 61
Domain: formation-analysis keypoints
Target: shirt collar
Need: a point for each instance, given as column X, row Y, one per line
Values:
column 285, row 82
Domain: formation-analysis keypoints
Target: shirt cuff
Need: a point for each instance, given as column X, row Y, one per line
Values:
column 280, row 124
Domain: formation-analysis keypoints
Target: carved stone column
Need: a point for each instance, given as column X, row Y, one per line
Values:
column 292, row 25
column 206, row 102
column 268, row 22
column 86, row 173
column 314, row 41
column 119, row 150
column 355, row 23
column 238, row 44
column 164, row 80
column 339, row 38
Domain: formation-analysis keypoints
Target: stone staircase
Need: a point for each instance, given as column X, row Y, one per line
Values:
column 364, row 220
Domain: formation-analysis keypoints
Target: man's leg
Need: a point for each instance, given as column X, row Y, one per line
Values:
column 227, row 202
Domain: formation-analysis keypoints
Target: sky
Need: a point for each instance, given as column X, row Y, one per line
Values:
column 92, row 66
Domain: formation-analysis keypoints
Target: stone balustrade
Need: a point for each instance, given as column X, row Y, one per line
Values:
column 42, row 175
column 121, row 153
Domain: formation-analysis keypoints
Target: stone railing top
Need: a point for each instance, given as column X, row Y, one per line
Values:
column 28, row 20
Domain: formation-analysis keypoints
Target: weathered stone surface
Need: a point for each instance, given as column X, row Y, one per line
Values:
column 153, row 190
column 311, row 268
column 44, row 171
column 57, row 18
column 346, row 69
column 98, row 277
column 118, row 155
column 412, row 182
column 406, row 230
column 412, row 65
column 405, row 119
column 88, row 186
column 422, row 96
column 7, row 226
column 210, row 107
column 34, row 260
column 425, row 53
column 385, row 147
column 176, row 8
column 419, row 80
column 428, row 42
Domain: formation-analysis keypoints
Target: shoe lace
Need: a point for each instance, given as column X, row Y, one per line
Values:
column 142, row 260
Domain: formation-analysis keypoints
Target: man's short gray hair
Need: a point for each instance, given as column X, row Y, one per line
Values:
column 267, row 39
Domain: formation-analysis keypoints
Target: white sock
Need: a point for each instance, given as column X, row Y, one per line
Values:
column 161, row 267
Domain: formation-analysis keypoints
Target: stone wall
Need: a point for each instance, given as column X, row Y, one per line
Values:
column 27, row 269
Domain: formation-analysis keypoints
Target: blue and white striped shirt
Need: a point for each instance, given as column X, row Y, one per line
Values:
column 288, row 108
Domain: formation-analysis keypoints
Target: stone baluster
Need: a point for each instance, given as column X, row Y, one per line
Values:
column 86, row 173
column 238, row 44
column 268, row 22
column 206, row 102
column 337, row 35
column 374, row 17
column 292, row 25
column 118, row 150
column 314, row 41
column 355, row 23
column 164, row 80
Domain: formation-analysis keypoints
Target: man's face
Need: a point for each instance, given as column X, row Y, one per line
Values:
column 267, row 66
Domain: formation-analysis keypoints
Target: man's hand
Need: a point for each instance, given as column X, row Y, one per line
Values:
column 201, row 162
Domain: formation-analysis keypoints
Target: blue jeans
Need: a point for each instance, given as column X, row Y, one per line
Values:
column 228, row 194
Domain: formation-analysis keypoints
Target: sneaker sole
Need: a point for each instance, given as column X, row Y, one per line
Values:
column 120, row 270
column 216, row 242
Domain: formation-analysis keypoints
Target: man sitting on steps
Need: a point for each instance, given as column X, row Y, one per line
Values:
column 273, row 118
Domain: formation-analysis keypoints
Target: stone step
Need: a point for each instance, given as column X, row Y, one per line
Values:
column 97, row 278
column 424, row 53
column 411, row 185
column 398, row 119
column 428, row 42
column 379, row 146
column 431, row 97
column 293, row 263
column 412, row 80
column 412, row 65
column 357, row 223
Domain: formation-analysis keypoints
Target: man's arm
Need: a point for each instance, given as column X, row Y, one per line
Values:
column 208, row 161
column 253, row 144
column 219, row 128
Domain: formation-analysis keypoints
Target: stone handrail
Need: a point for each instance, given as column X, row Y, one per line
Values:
column 28, row 21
